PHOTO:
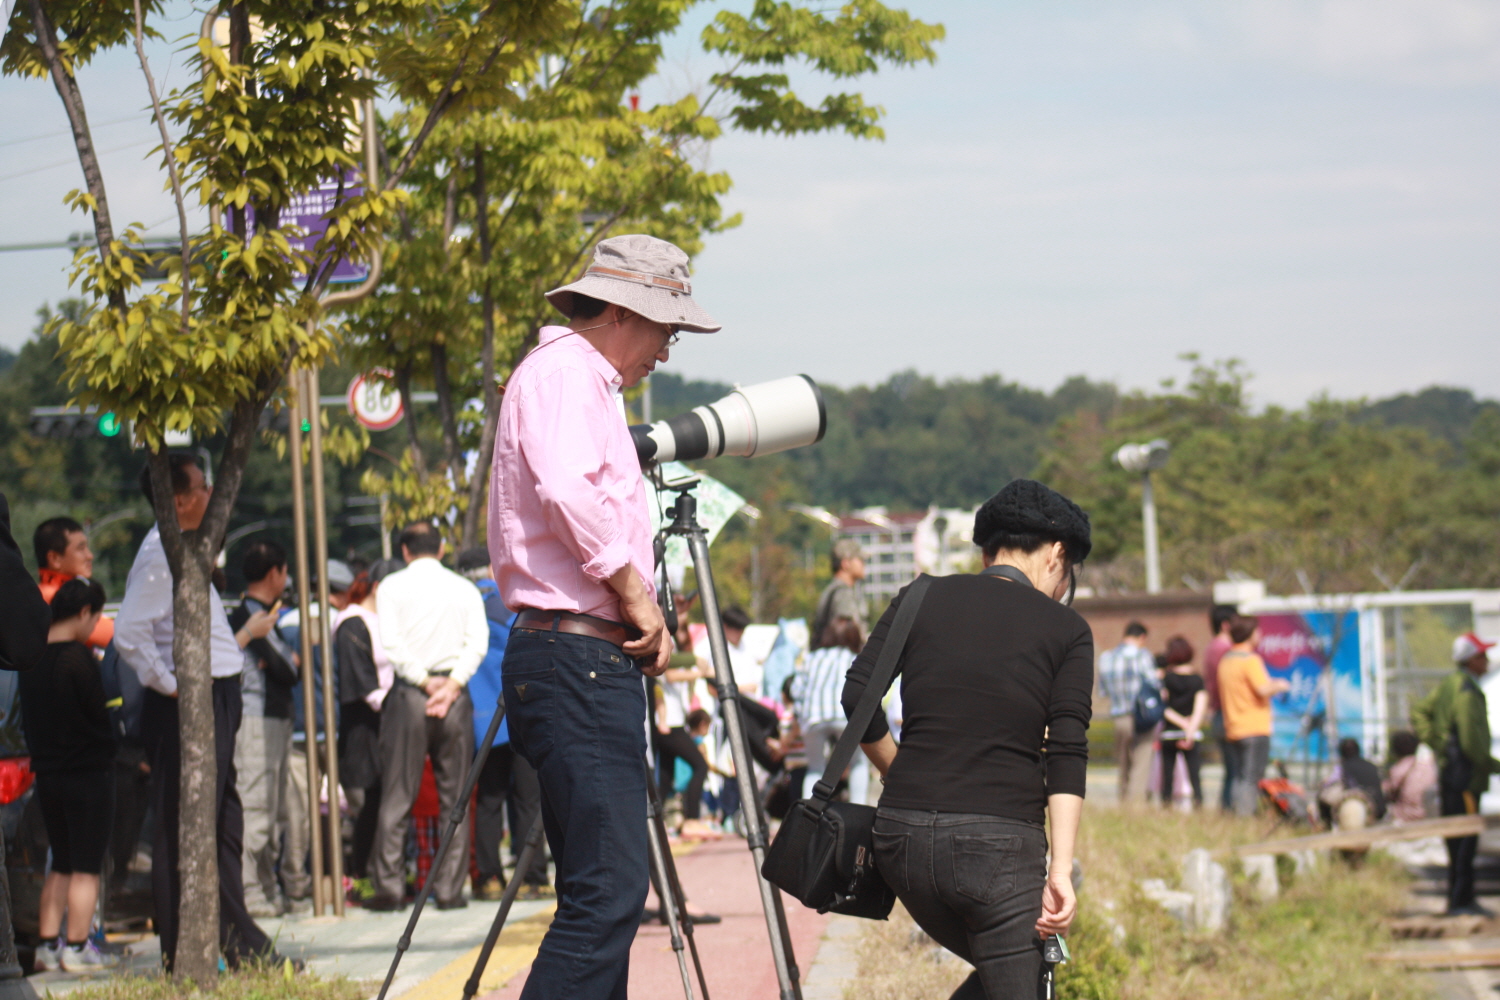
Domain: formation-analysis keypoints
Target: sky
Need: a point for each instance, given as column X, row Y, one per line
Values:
column 1074, row 188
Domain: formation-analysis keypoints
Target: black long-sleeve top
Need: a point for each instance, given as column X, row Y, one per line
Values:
column 996, row 695
column 281, row 676
column 63, row 712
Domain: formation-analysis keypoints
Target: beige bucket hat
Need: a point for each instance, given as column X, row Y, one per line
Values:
column 645, row 275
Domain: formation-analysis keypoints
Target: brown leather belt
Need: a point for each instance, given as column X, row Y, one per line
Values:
column 576, row 624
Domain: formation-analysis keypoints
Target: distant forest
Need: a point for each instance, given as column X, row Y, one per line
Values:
column 1330, row 496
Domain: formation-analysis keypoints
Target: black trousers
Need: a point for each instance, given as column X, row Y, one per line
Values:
column 1461, row 853
column 670, row 746
column 508, row 788
column 239, row 936
column 974, row 884
column 1194, row 758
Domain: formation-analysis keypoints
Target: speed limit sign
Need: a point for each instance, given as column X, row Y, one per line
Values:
column 374, row 401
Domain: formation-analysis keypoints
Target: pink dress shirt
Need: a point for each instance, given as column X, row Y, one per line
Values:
column 567, row 499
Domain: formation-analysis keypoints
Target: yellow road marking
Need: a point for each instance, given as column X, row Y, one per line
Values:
column 513, row 952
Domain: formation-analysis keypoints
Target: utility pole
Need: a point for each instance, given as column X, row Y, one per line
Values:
column 1146, row 459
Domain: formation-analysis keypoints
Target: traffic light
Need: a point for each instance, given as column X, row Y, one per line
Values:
column 67, row 423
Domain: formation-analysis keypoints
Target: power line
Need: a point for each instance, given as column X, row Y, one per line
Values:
column 64, row 163
column 68, row 131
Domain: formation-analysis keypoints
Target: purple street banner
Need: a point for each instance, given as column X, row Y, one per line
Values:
column 310, row 210
column 1298, row 648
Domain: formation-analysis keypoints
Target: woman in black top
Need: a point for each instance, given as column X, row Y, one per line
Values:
column 996, row 691
column 72, row 745
column 1187, row 709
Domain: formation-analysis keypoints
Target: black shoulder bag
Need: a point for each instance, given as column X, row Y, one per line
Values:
column 824, row 854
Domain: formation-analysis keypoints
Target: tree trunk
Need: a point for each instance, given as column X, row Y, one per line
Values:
column 447, row 415
column 190, row 559
column 414, row 441
column 480, row 480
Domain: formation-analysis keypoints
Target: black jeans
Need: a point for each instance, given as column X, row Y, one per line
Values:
column 671, row 746
column 1461, row 852
column 974, row 884
column 577, row 710
column 239, row 936
column 1194, row 759
column 506, row 785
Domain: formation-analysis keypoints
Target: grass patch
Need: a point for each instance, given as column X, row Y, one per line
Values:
column 1310, row 943
column 263, row 983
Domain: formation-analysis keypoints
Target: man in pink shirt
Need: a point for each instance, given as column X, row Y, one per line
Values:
column 570, row 542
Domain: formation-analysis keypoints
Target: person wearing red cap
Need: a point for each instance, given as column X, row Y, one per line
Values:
column 1454, row 721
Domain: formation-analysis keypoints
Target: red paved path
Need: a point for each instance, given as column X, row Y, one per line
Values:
column 720, row 878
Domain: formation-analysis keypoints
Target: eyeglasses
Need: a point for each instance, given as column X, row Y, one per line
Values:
column 673, row 335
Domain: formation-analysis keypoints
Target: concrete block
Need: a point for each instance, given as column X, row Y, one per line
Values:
column 1208, row 883
column 1260, row 869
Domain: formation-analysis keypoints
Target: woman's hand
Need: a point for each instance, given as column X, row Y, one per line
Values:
column 1185, row 744
column 1059, row 905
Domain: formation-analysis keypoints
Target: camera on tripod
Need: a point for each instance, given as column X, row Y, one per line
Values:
column 752, row 420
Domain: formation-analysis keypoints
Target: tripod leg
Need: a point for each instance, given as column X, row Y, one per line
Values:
column 507, row 899
column 729, row 706
column 668, row 901
column 456, row 817
column 669, row 891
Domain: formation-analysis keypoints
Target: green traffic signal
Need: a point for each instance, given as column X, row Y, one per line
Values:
column 109, row 425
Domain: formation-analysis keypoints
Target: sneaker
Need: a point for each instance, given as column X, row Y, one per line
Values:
column 532, row 892
column 48, row 957
column 489, row 890
column 86, row 958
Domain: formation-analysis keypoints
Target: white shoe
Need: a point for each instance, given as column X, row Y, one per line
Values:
column 86, row 958
column 48, row 957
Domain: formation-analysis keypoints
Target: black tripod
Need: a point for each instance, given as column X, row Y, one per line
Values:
column 669, row 889
column 674, row 904
column 684, row 524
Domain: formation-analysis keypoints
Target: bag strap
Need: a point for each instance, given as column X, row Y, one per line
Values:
column 880, row 680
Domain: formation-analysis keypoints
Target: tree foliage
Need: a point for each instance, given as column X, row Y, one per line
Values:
column 509, row 200
column 1330, row 497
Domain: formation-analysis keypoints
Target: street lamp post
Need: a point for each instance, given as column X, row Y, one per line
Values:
column 1146, row 459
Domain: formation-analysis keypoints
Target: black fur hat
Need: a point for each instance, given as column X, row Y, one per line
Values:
column 1026, row 507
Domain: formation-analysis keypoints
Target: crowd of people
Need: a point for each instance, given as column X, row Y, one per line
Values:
column 417, row 650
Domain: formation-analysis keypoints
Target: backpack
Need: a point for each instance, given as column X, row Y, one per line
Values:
column 1148, row 708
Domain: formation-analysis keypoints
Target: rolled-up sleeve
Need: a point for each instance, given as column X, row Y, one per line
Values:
column 1069, row 710
column 561, row 440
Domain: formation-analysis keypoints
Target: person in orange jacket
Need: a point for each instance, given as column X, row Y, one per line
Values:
column 63, row 553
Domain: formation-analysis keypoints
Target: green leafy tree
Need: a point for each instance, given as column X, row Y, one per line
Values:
column 271, row 115
column 507, row 202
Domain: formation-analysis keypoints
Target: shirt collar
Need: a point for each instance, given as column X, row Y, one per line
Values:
column 51, row 576
column 597, row 361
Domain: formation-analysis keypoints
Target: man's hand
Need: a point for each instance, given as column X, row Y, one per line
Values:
column 651, row 651
column 442, row 692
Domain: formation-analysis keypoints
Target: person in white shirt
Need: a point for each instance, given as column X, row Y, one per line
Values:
column 435, row 633
column 143, row 637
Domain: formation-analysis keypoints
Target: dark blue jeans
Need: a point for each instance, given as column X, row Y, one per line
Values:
column 577, row 711
column 974, row 884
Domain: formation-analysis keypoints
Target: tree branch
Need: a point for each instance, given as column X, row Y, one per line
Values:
column 403, row 386
column 171, row 158
column 88, row 157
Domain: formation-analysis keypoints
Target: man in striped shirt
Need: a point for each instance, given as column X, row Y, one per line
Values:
column 1122, row 671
